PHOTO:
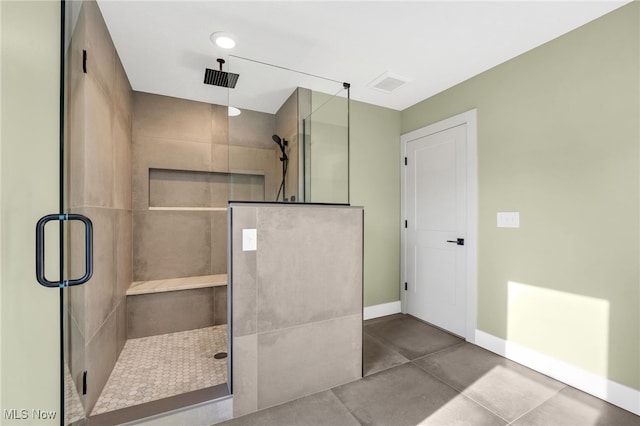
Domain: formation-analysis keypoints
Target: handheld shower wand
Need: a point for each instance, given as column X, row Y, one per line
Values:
column 285, row 162
column 281, row 143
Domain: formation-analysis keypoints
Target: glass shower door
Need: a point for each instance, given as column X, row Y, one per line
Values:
column 96, row 176
column 75, row 244
column 71, row 230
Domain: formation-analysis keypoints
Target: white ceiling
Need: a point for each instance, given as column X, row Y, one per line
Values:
column 165, row 46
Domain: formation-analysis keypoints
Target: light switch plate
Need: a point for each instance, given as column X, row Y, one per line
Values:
column 508, row 219
column 249, row 239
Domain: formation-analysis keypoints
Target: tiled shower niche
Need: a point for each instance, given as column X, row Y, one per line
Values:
column 186, row 165
column 175, row 189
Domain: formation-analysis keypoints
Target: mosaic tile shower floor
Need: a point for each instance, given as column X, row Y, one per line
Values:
column 73, row 411
column 156, row 367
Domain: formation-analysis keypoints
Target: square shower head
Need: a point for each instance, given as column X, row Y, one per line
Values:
column 220, row 78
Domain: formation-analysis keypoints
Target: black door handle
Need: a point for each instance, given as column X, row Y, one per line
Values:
column 459, row 241
column 88, row 244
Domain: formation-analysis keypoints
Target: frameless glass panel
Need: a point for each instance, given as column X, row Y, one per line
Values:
column 73, row 305
column 266, row 137
column 97, row 185
column 326, row 149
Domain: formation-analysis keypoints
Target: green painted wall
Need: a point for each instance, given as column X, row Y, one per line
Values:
column 374, row 183
column 558, row 141
column 329, row 145
column 29, row 370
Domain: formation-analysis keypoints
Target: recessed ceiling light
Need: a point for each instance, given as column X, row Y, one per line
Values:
column 223, row 39
column 233, row 111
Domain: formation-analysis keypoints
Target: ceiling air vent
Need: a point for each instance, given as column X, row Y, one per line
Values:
column 387, row 82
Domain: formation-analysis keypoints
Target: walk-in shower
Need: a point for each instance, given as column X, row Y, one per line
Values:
column 155, row 174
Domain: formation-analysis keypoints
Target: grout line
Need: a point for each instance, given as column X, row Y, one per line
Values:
column 539, row 405
column 386, row 346
column 73, row 319
column 187, row 209
column 102, row 324
column 382, row 340
column 435, row 326
column 345, row 406
column 306, row 324
column 441, row 380
column 143, row 138
column 395, row 317
column 461, row 393
column 389, row 345
column 439, row 351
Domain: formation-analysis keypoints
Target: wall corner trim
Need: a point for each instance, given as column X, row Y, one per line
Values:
column 384, row 309
column 586, row 381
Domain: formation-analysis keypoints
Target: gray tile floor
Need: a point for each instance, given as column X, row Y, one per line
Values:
column 416, row 374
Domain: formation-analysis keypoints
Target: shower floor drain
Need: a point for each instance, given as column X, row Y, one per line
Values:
column 220, row 355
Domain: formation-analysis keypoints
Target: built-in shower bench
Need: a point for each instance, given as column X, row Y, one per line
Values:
column 176, row 284
column 177, row 304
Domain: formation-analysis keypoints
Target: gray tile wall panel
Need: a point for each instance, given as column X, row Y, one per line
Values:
column 296, row 302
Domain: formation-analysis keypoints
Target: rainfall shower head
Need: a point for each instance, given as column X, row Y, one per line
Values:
column 220, row 78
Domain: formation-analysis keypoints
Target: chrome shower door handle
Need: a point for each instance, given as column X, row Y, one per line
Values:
column 40, row 252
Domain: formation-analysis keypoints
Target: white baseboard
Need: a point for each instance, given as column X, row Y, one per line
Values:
column 382, row 310
column 601, row 387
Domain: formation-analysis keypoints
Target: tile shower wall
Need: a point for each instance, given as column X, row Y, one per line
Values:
column 157, row 313
column 297, row 316
column 183, row 143
column 98, row 185
column 287, row 128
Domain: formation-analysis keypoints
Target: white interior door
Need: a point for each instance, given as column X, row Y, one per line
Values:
column 436, row 194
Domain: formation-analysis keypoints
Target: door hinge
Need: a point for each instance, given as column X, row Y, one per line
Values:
column 84, row 383
column 406, row 224
column 406, row 287
column 405, row 161
column 84, row 61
